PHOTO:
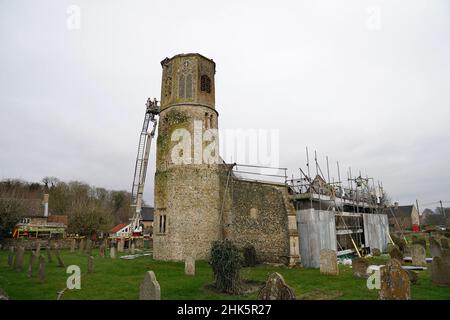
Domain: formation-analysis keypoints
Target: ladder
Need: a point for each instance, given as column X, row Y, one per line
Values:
column 140, row 171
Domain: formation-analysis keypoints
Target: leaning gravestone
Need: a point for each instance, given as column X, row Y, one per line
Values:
column 112, row 252
column 11, row 257
column 73, row 244
column 395, row 284
column 133, row 248
column 395, row 253
column 18, row 261
column 102, row 250
column 376, row 252
column 276, row 289
column 49, row 254
column 30, row 264
column 359, row 267
column 435, row 248
column 440, row 272
column 150, row 289
column 60, row 260
column 41, row 271
column 81, row 246
column 189, row 266
column 88, row 246
column 418, row 255
column 328, row 262
column 90, row 267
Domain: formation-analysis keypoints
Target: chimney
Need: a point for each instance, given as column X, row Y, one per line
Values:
column 46, row 196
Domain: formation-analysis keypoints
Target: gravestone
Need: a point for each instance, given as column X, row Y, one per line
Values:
column 328, row 262
column 395, row 253
column 150, row 289
column 73, row 244
column 133, row 248
column 30, row 264
column 395, row 284
column 60, row 260
column 420, row 241
column 49, row 254
column 440, row 271
column 11, row 257
column 88, row 246
column 38, row 249
column 418, row 255
column 376, row 252
column 276, row 289
column 120, row 245
column 435, row 248
column 112, row 252
column 189, row 266
column 90, row 267
column 444, row 243
column 359, row 267
column 81, row 246
column 41, row 271
column 18, row 261
column 102, row 250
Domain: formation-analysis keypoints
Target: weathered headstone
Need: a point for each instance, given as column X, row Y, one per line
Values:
column 120, row 245
column 41, row 271
column 49, row 254
column 88, row 246
column 276, row 289
column 133, row 248
column 73, row 244
column 435, row 248
column 82, row 245
column 328, row 262
column 359, row 267
column 395, row 253
column 440, row 272
column 395, row 284
column 90, row 267
column 30, row 264
column 60, row 260
column 376, row 252
column 102, row 250
column 418, row 255
column 189, row 266
column 11, row 257
column 38, row 249
column 18, row 261
column 150, row 289
column 112, row 252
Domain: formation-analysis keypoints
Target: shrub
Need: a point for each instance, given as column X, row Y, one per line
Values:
column 226, row 261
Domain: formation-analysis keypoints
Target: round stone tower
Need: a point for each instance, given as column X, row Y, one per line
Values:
column 187, row 178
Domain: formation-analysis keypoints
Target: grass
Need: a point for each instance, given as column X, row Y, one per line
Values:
column 120, row 279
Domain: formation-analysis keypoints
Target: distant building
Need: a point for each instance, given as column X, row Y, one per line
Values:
column 121, row 230
column 38, row 223
column 403, row 218
column 147, row 220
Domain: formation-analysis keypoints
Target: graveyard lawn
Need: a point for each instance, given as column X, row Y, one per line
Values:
column 120, row 279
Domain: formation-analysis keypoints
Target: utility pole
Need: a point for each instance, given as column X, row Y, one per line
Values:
column 443, row 212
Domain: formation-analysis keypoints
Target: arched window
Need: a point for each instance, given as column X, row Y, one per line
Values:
column 181, row 85
column 205, row 84
column 189, row 86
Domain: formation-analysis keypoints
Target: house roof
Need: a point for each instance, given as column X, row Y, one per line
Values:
column 400, row 211
column 147, row 213
column 118, row 227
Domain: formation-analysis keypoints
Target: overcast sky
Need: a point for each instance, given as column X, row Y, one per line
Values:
column 364, row 82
